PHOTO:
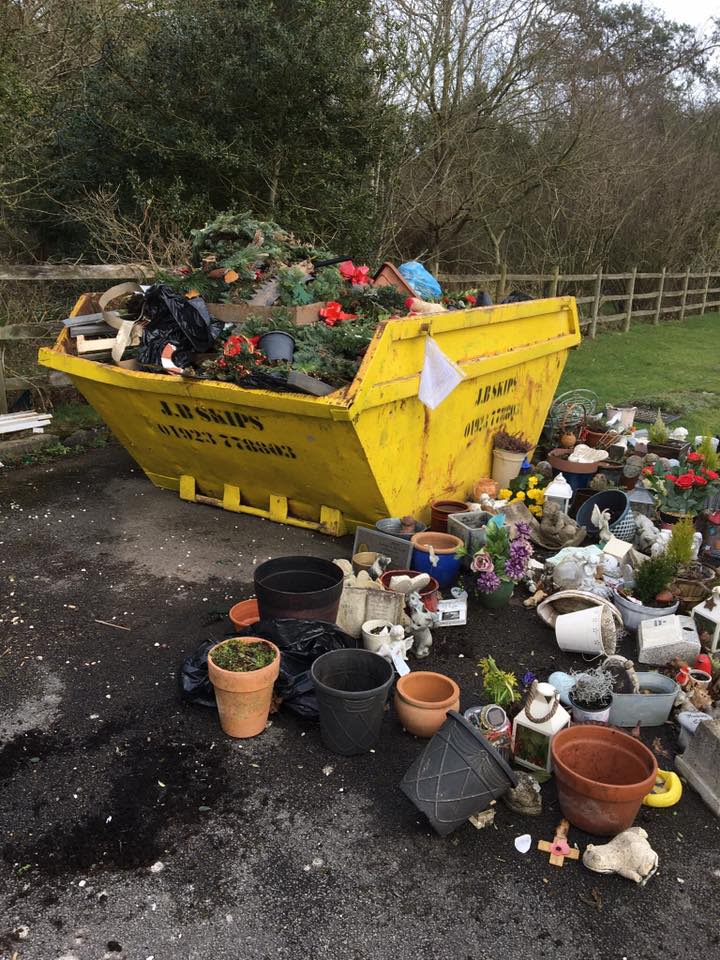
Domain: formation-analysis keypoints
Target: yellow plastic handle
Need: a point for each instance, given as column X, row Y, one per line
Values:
column 667, row 793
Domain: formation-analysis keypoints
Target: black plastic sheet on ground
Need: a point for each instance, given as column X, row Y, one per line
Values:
column 300, row 642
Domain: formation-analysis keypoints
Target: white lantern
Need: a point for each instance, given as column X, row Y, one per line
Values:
column 560, row 492
column 707, row 621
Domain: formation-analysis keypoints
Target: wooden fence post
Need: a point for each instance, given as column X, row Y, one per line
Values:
column 500, row 289
column 596, row 303
column 705, row 294
column 554, row 282
column 3, row 393
column 683, row 299
column 630, row 291
column 661, row 291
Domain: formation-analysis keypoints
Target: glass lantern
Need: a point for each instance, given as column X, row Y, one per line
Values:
column 641, row 501
column 560, row 492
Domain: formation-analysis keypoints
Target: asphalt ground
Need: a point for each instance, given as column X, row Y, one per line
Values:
column 270, row 848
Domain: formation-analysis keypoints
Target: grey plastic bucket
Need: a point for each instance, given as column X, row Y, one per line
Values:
column 457, row 775
column 352, row 688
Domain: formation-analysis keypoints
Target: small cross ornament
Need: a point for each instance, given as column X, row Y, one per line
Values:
column 559, row 848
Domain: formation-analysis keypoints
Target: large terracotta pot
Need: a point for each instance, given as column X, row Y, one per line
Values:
column 422, row 700
column 602, row 776
column 243, row 698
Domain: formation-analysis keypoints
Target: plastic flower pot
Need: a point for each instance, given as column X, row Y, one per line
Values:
column 457, row 774
column 591, row 630
column 622, row 521
column 351, row 687
column 243, row 697
column 633, row 613
column 440, row 510
column 506, row 465
column 498, row 598
column 422, row 700
column 428, row 594
column 393, row 526
column 444, row 547
column 245, row 613
column 277, row 345
column 601, row 776
column 298, row 588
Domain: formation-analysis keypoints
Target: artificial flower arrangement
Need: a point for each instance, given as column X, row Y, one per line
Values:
column 684, row 489
column 528, row 488
column 502, row 559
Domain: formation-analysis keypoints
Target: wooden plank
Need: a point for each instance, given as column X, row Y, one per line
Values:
column 77, row 271
column 581, row 300
column 660, row 292
column 554, row 282
column 645, row 296
column 683, row 302
column 596, row 303
column 576, row 277
column 630, row 293
column 705, row 293
column 611, row 317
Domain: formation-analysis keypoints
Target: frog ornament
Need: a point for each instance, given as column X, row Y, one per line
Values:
column 628, row 854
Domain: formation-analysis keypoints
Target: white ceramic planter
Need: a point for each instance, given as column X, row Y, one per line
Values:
column 582, row 715
column 373, row 641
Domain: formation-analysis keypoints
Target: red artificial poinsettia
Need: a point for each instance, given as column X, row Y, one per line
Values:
column 332, row 313
column 471, row 299
column 359, row 276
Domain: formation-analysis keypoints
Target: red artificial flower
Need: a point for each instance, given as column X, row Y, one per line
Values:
column 712, row 475
column 332, row 313
column 222, row 363
column 670, row 476
column 684, row 481
column 409, row 301
column 184, row 271
column 695, row 457
column 353, row 274
column 649, row 471
column 699, row 481
column 471, row 299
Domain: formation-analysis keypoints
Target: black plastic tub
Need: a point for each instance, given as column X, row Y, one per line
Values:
column 457, row 775
column 298, row 588
column 352, row 688
column 277, row 345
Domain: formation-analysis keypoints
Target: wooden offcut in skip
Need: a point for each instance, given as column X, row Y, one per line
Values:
column 559, row 848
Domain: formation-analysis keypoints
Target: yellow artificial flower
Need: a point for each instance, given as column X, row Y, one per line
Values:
column 532, row 482
column 540, row 499
column 533, row 494
column 505, row 494
column 536, row 510
column 520, row 495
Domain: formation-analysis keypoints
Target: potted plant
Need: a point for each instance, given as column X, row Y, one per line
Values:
column 500, row 686
column 591, row 696
column 692, row 579
column 243, row 671
column 659, row 441
column 681, row 491
column 501, row 563
column 509, row 452
column 650, row 596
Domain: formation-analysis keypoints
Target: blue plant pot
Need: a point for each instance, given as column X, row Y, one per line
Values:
column 446, row 572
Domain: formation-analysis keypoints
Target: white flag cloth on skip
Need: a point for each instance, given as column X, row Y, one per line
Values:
column 439, row 376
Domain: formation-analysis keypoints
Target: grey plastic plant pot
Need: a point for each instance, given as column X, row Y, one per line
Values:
column 633, row 614
column 298, row 588
column 457, row 775
column 352, row 688
column 277, row 345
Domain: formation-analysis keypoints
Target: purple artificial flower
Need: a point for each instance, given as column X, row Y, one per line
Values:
column 522, row 528
column 519, row 553
column 528, row 678
column 488, row 581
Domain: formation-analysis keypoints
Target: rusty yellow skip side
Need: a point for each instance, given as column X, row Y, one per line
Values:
column 368, row 451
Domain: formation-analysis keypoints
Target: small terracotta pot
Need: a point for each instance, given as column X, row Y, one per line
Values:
column 245, row 613
column 422, row 700
column 485, row 485
column 363, row 561
column 440, row 510
column 243, row 698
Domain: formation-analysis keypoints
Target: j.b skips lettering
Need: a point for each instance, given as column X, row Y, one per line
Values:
column 232, row 418
column 496, row 416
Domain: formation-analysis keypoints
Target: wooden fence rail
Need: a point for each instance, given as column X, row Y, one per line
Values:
column 602, row 298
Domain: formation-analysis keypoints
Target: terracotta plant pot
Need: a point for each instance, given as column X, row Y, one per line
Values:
column 506, row 465
column 602, row 776
column 440, row 510
column 422, row 700
column 245, row 613
column 243, row 698
column 485, row 485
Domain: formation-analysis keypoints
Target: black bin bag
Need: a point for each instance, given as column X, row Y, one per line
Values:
column 300, row 643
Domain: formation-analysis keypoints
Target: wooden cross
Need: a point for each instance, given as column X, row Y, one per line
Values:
column 559, row 849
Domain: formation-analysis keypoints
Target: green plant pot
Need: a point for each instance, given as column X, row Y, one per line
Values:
column 499, row 597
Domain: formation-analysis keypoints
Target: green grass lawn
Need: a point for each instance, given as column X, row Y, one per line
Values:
column 674, row 366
